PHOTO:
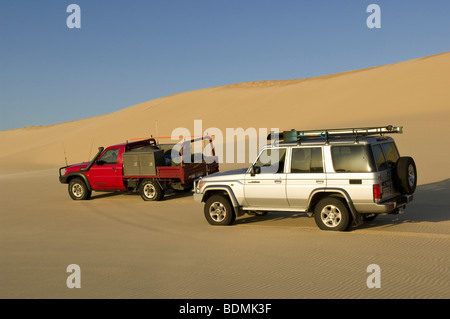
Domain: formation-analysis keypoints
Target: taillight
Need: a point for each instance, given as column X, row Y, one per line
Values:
column 376, row 192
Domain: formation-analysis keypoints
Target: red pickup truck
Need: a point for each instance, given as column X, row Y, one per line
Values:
column 144, row 166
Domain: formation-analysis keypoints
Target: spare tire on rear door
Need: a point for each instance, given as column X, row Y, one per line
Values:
column 405, row 175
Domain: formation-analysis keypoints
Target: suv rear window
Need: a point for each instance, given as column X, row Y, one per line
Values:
column 352, row 159
column 379, row 158
column 391, row 153
column 386, row 155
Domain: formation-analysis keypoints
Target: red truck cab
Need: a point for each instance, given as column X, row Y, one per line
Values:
column 106, row 171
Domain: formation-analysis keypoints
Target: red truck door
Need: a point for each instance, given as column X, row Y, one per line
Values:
column 107, row 172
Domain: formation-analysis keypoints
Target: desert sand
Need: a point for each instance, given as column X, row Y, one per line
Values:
column 128, row 248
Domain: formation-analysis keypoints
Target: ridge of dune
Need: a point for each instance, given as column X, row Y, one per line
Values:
column 267, row 83
column 412, row 93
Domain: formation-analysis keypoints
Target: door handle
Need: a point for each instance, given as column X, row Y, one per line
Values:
column 253, row 182
column 319, row 181
column 277, row 181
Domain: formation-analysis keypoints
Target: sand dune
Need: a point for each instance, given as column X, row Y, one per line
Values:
column 129, row 248
column 413, row 94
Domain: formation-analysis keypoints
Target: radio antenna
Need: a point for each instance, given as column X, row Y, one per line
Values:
column 156, row 125
column 65, row 156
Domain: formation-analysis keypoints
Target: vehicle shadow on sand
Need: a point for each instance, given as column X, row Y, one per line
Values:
column 169, row 195
column 271, row 216
column 431, row 204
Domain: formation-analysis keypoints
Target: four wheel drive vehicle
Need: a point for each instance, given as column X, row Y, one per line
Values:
column 338, row 176
column 143, row 166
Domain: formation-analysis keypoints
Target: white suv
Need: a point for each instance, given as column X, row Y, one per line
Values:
column 338, row 176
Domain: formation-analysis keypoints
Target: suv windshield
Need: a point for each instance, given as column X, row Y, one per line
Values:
column 352, row 158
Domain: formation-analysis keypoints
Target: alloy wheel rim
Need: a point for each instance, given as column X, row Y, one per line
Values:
column 411, row 175
column 217, row 211
column 77, row 190
column 331, row 216
column 149, row 191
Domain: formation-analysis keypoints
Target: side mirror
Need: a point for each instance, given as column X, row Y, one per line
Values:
column 255, row 170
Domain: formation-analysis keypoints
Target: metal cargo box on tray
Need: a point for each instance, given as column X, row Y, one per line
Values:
column 142, row 162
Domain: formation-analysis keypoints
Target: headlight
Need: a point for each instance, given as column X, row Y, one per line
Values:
column 200, row 185
column 62, row 171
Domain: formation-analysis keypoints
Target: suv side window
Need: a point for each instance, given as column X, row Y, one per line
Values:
column 379, row 158
column 272, row 160
column 307, row 160
column 110, row 156
column 391, row 153
column 351, row 159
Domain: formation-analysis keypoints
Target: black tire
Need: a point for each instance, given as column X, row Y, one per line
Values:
column 405, row 175
column 150, row 190
column 78, row 189
column 218, row 211
column 332, row 213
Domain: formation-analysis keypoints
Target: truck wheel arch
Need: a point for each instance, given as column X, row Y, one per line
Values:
column 71, row 176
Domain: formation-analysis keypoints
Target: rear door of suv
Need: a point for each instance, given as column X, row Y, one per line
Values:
column 306, row 174
column 351, row 171
column 386, row 156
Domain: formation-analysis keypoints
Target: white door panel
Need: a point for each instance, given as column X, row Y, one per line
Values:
column 266, row 190
column 300, row 186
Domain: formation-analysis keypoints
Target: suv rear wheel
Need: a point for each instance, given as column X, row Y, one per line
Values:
column 218, row 211
column 331, row 213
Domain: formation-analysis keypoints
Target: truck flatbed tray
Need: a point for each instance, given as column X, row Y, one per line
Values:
column 186, row 173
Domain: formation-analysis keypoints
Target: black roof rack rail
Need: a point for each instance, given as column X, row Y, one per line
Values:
column 296, row 135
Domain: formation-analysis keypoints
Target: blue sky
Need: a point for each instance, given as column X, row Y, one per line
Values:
column 128, row 52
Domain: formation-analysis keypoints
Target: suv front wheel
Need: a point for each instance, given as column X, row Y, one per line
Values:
column 218, row 211
column 331, row 213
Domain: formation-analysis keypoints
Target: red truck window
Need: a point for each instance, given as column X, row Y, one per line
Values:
column 110, row 156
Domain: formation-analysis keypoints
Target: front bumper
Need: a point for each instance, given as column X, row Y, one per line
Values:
column 62, row 177
column 198, row 197
column 386, row 207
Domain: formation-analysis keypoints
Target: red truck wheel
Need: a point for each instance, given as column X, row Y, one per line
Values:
column 150, row 190
column 78, row 189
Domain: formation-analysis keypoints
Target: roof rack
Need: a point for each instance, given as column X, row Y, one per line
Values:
column 297, row 136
